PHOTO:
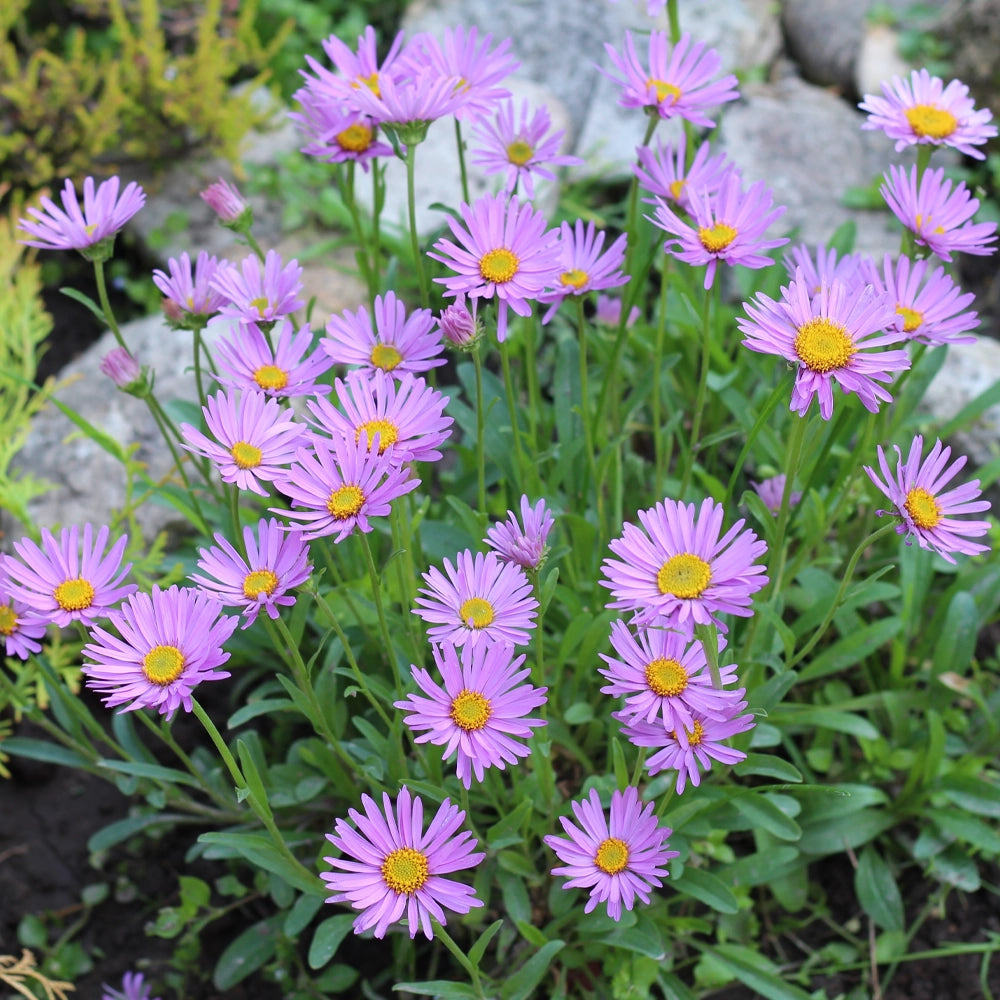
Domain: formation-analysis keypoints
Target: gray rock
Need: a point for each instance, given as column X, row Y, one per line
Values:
column 878, row 59
column 973, row 29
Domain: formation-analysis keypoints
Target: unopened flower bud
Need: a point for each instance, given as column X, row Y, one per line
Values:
column 459, row 326
column 229, row 205
column 125, row 372
column 609, row 312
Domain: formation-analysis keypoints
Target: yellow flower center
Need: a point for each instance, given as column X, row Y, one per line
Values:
column 388, row 433
column 470, row 710
column 260, row 581
column 666, row 678
column 498, row 266
column 476, row 613
column 612, row 856
column 685, row 576
column 386, row 357
column 345, row 502
column 271, row 377
column 261, row 305
column 823, row 345
column 90, row 229
column 370, row 81
column 246, row 456
column 924, row 225
column 74, row 595
column 716, row 238
column 162, row 665
column 912, row 319
column 923, row 508
column 695, row 736
column 520, row 152
column 664, row 90
column 574, row 278
column 8, row 620
column 927, row 120
column 355, row 138
column 405, row 870
column 676, row 187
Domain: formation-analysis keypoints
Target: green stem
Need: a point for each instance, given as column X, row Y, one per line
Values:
column 460, row 146
column 794, row 458
column 699, row 402
column 102, row 294
column 778, row 392
column 660, row 458
column 255, row 246
column 411, row 204
column 588, row 436
column 515, row 432
column 383, row 624
column 673, row 16
column 442, row 935
column 378, row 199
column 359, row 233
column 477, row 363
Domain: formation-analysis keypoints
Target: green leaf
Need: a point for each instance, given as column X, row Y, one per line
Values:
column 969, row 829
column 755, row 971
column 954, row 866
column 531, row 933
column 578, row 713
column 142, row 769
column 478, row 950
column 50, row 753
column 619, row 765
column 852, row 648
column 706, row 888
column 264, row 706
column 253, row 778
column 767, row 765
column 520, row 985
column 851, row 829
column 506, row 832
column 122, row 829
column 252, row 949
column 761, row 811
column 439, row 988
column 826, row 718
column 877, row 891
column 974, row 794
column 645, row 938
column 300, row 915
column 956, row 643
column 760, row 868
column 327, row 939
column 259, row 850
column 86, row 300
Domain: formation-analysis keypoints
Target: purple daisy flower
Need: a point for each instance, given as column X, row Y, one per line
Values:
column 412, row 100
column 922, row 110
column 339, row 484
column 702, row 746
column 520, row 147
column 504, row 250
column 929, row 305
column 664, row 172
column 171, row 640
column 256, row 296
column 398, row 343
column 679, row 572
column 398, row 866
column 246, row 361
column 728, row 226
column 677, row 82
column 336, row 134
column 20, row 628
column 356, row 70
column 134, row 987
column 663, row 673
column 937, row 215
column 70, row 579
column 407, row 416
column 926, row 513
column 608, row 312
column 772, row 490
column 585, row 268
column 829, row 337
column 480, row 711
column 523, row 543
column 480, row 599
column 69, row 228
column 619, row 856
column 255, row 438
column 263, row 579
column 189, row 298
column 825, row 266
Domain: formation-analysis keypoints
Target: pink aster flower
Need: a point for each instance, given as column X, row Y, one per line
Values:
column 398, row 867
column 585, row 268
column 171, row 641
column 937, row 215
column 69, row 228
column 397, row 344
column 929, row 305
column 679, row 572
column 407, row 415
column 609, row 312
column 618, row 856
column 189, row 298
column 677, row 82
column 264, row 578
column 664, row 172
column 338, row 485
column 479, row 600
column 255, row 438
column 664, row 674
column 504, row 250
column 20, row 628
column 727, row 227
column 824, row 266
column 523, row 543
column 336, row 134
column 702, row 746
column 226, row 201
column 246, row 361
column 480, row 712
column 71, row 579
column 256, row 296
column 520, row 147
column 772, row 490
column 926, row 511
column 134, row 987
column 829, row 337
column 414, row 100
column 922, row 110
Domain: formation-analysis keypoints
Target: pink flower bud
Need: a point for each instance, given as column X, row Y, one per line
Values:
column 226, row 201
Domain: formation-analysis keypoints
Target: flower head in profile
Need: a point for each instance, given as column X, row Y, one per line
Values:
column 676, row 83
column 922, row 110
column 728, row 226
column 229, row 205
column 170, row 641
column 771, row 492
column 608, row 312
column 69, row 579
column 189, row 300
column 460, row 326
column 335, row 133
column 927, row 511
column 337, row 485
column 256, row 295
column 134, row 987
column 523, row 542
column 92, row 229
column 619, row 856
column 831, row 337
column 938, row 213
column 398, row 867
column 663, row 171
column 585, row 267
column 481, row 711
column 478, row 600
column 253, row 438
column 503, row 250
column 408, row 105
column 276, row 562
column 126, row 373
column 679, row 570
column 520, row 146
column 397, row 343
column 825, row 265
column 20, row 628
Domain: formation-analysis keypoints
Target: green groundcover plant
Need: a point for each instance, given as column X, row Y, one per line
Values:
column 567, row 600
